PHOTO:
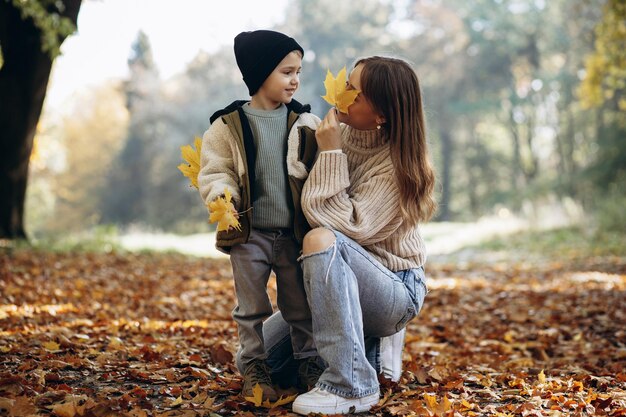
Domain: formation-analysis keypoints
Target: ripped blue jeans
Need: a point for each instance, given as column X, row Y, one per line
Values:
column 354, row 302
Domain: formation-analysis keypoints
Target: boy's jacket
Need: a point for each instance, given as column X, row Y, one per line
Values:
column 228, row 160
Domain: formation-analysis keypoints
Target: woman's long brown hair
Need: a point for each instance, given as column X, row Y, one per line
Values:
column 392, row 88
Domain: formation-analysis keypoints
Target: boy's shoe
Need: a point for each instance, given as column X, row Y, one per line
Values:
column 309, row 371
column 257, row 373
column 321, row 401
column 391, row 348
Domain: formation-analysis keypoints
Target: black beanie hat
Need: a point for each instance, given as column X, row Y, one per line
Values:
column 259, row 52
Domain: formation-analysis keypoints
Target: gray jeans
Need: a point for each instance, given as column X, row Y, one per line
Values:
column 355, row 301
column 252, row 262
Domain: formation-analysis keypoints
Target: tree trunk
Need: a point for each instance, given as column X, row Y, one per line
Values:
column 516, row 166
column 446, row 166
column 530, row 169
column 23, row 84
column 471, row 159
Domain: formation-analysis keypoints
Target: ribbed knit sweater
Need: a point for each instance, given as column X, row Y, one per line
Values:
column 271, row 208
column 355, row 192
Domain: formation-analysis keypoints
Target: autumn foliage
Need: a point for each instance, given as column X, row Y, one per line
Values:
column 151, row 335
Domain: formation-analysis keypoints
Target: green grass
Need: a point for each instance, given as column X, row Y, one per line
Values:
column 569, row 242
column 98, row 240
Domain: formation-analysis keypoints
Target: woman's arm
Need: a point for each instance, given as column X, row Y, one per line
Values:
column 368, row 214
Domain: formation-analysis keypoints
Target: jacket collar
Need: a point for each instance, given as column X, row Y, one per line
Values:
column 293, row 106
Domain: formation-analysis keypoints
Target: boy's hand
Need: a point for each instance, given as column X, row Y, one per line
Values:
column 328, row 134
column 222, row 211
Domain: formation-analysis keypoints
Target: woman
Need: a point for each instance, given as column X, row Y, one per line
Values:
column 363, row 263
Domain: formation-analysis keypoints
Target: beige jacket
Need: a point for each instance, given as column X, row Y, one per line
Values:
column 227, row 162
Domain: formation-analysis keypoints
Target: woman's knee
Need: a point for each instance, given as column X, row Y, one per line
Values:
column 317, row 240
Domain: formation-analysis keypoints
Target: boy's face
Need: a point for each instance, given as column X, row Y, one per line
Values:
column 283, row 82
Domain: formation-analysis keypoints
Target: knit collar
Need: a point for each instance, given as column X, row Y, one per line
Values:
column 366, row 139
column 280, row 111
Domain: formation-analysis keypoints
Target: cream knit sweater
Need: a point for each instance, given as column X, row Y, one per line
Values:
column 355, row 193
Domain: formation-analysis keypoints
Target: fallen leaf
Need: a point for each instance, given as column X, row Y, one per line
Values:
column 283, row 401
column 257, row 396
column 6, row 403
column 220, row 354
column 541, row 377
column 137, row 412
column 51, row 346
column 67, row 409
column 23, row 407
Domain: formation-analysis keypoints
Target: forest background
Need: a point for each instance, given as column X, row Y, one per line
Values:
column 524, row 100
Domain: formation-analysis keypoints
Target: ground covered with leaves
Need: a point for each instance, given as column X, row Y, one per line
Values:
column 85, row 334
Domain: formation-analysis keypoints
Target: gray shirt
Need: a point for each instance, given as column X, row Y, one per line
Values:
column 272, row 207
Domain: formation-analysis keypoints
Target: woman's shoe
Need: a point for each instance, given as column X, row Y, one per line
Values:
column 321, row 401
column 391, row 348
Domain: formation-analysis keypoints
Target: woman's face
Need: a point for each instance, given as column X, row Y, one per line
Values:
column 361, row 115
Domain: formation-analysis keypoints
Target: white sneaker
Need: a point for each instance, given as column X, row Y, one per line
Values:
column 321, row 401
column 391, row 348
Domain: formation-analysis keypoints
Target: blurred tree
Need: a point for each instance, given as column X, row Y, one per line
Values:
column 93, row 136
column 145, row 188
column 31, row 33
column 437, row 47
column 494, row 69
column 604, row 91
column 334, row 34
column 605, row 80
column 567, row 38
column 124, row 198
column 210, row 82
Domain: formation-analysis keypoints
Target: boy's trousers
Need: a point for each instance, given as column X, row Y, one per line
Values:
column 252, row 263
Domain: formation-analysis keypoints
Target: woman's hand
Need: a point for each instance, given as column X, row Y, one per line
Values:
column 328, row 134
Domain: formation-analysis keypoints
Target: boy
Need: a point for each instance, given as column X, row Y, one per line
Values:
column 261, row 150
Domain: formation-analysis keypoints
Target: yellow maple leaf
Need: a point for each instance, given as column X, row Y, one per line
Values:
column 177, row 401
column 431, row 401
column 223, row 212
column 445, row 405
column 541, row 377
column 282, row 401
column 64, row 410
column 437, row 407
column 466, row 405
column 51, row 346
column 192, row 168
column 336, row 93
column 257, row 396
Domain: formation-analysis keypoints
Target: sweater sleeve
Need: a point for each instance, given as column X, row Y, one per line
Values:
column 217, row 164
column 367, row 213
